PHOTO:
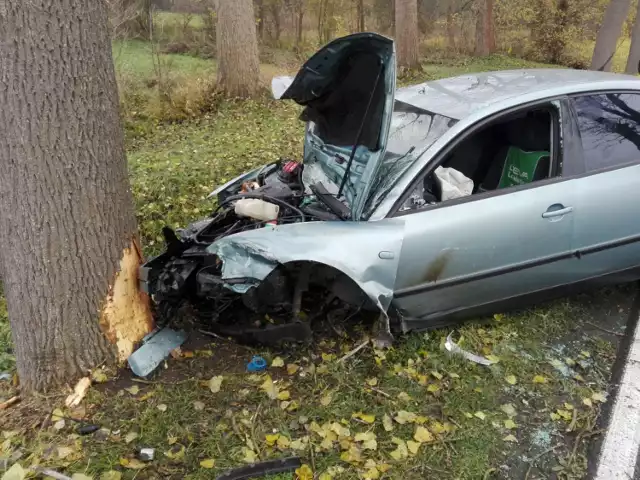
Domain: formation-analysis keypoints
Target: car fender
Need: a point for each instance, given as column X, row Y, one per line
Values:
column 367, row 252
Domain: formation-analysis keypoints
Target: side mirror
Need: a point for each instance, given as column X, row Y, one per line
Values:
column 279, row 85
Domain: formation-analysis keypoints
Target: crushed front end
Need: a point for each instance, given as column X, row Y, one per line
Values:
column 190, row 271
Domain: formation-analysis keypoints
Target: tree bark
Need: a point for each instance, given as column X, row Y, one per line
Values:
column 261, row 17
column 238, row 63
column 451, row 35
column 360, row 10
column 633, row 61
column 485, row 37
column 407, row 33
column 299, row 25
column 614, row 17
column 69, row 250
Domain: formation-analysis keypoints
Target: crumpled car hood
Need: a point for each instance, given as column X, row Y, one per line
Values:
column 347, row 89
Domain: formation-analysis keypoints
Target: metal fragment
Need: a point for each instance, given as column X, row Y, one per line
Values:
column 155, row 348
column 453, row 347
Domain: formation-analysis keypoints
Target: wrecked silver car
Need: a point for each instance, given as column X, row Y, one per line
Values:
column 442, row 200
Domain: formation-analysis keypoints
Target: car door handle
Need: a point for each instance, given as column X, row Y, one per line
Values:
column 557, row 210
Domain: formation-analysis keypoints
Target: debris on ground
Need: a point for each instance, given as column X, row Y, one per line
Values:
column 257, row 364
column 8, row 403
column 79, row 392
column 146, row 454
column 5, row 376
column 270, row 467
column 453, row 347
column 155, row 347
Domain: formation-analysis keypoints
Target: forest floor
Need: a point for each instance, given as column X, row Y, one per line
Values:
column 411, row 412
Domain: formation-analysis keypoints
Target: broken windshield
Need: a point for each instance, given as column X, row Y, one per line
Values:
column 413, row 130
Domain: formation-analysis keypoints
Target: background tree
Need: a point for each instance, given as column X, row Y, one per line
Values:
column 634, row 51
column 69, row 237
column 237, row 47
column 406, row 33
column 610, row 29
column 485, row 37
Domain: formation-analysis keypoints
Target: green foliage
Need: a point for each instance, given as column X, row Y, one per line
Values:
column 7, row 361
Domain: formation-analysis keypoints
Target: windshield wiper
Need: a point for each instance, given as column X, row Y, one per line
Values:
column 364, row 119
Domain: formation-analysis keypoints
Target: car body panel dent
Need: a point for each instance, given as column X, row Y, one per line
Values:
column 353, row 248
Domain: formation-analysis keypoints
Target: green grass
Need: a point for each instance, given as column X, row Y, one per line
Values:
column 172, row 169
column 134, row 58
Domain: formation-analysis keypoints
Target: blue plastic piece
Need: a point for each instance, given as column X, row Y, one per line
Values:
column 257, row 364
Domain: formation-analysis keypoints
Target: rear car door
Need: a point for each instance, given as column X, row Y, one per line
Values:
column 607, row 222
column 473, row 252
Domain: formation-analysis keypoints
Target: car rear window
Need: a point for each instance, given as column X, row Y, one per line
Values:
column 609, row 127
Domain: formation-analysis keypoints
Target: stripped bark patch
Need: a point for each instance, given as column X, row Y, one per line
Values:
column 126, row 316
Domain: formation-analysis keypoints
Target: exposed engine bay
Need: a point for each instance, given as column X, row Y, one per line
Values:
column 189, row 274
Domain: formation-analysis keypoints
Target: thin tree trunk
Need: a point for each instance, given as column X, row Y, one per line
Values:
column 608, row 34
column 261, row 15
column 451, row 36
column 407, row 33
column 633, row 61
column 299, row 25
column 360, row 9
column 485, row 38
column 275, row 13
column 238, row 63
column 69, row 249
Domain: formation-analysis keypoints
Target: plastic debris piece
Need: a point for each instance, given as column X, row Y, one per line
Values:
column 155, row 348
column 453, row 347
column 87, row 429
column 5, row 376
column 270, row 467
column 257, row 364
column 146, row 454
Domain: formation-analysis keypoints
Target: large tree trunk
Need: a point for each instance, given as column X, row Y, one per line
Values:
column 69, row 250
column 485, row 37
column 238, row 63
column 406, row 28
column 299, row 25
column 633, row 62
column 608, row 34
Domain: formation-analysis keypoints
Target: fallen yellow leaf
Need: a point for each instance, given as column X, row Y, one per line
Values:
column 284, row 395
column 599, row 397
column 509, row 424
column 133, row 389
column 292, row 368
column 162, row 407
column 132, row 463
column 509, row 409
column 510, row 438
column 401, row 452
column 367, row 418
column 387, row 423
column 304, row 472
column 480, row 415
column 283, row 442
column 540, row 379
column 403, row 417
column 413, row 447
column 215, row 383
column 277, row 362
column 511, row 379
column 130, row 437
column 372, row 381
column 325, row 400
column 269, row 388
column 208, row 463
column 249, row 456
column 271, row 439
column 422, row 435
column 16, row 472
column 111, row 475
column 587, row 402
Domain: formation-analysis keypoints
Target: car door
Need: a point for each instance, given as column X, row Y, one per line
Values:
column 485, row 248
column 607, row 222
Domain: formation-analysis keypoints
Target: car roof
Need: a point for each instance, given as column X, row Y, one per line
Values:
column 458, row 97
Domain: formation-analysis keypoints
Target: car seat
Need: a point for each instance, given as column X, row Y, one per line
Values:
column 525, row 156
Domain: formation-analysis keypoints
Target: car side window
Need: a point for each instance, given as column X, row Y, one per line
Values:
column 609, row 126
